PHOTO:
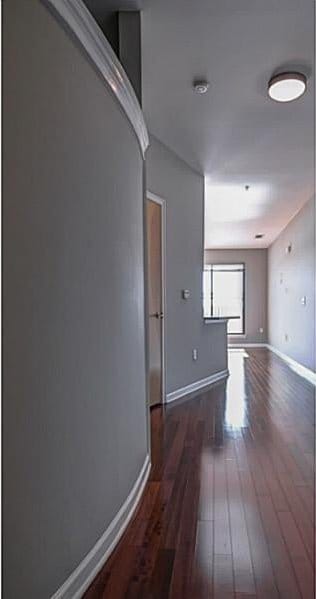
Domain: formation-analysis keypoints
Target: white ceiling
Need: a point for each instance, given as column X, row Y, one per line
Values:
column 234, row 134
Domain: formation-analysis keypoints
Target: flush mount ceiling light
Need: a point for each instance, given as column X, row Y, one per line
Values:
column 287, row 87
column 201, row 87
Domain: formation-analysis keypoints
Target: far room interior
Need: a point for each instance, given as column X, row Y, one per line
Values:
column 264, row 287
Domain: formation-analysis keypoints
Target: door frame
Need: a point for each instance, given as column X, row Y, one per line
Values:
column 159, row 200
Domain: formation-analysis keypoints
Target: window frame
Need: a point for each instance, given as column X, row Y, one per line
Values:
column 210, row 268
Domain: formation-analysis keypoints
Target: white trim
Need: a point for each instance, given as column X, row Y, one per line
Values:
column 215, row 320
column 84, row 574
column 238, row 345
column 154, row 198
column 306, row 373
column 84, row 27
column 158, row 200
column 296, row 366
column 210, row 380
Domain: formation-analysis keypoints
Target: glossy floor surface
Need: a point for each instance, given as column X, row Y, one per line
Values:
column 228, row 511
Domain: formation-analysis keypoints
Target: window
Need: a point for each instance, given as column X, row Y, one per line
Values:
column 224, row 294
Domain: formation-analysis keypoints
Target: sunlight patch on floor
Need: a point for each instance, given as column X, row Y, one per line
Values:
column 235, row 413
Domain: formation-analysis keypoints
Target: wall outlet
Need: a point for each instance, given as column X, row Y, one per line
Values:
column 286, row 337
column 194, row 354
column 185, row 294
column 261, row 330
column 303, row 300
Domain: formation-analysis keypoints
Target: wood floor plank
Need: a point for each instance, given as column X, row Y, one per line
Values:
column 202, row 570
column 223, row 577
column 222, row 538
column 242, row 563
column 206, row 496
column 228, row 512
column 159, row 584
column 300, row 562
column 300, row 515
column 307, row 496
column 261, row 561
column 283, row 570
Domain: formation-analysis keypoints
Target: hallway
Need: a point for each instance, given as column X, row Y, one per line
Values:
column 228, row 511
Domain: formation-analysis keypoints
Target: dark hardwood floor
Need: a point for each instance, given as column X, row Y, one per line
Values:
column 228, row 512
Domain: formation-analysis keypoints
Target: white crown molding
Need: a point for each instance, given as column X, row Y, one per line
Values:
column 308, row 374
column 84, row 27
column 84, row 574
column 210, row 380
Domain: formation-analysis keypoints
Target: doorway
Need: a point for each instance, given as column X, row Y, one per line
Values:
column 155, row 209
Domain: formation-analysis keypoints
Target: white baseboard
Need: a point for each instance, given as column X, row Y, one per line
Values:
column 84, row 574
column 239, row 345
column 214, row 378
column 296, row 366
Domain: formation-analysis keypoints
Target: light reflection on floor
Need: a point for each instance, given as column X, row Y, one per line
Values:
column 236, row 408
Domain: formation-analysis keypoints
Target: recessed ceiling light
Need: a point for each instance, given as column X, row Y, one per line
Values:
column 286, row 87
column 259, row 236
column 201, row 87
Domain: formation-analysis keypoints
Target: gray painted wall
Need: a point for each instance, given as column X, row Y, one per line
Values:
column 255, row 290
column 183, row 190
column 74, row 415
column 292, row 276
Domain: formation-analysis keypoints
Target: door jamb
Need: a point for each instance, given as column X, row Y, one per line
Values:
column 159, row 200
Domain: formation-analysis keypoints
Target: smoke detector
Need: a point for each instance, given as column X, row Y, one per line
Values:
column 201, row 87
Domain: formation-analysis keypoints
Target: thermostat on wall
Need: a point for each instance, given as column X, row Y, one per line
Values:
column 185, row 294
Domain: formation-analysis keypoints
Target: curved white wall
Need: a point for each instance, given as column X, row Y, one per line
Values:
column 74, row 399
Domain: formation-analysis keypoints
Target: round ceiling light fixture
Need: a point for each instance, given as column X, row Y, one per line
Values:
column 201, row 87
column 287, row 87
